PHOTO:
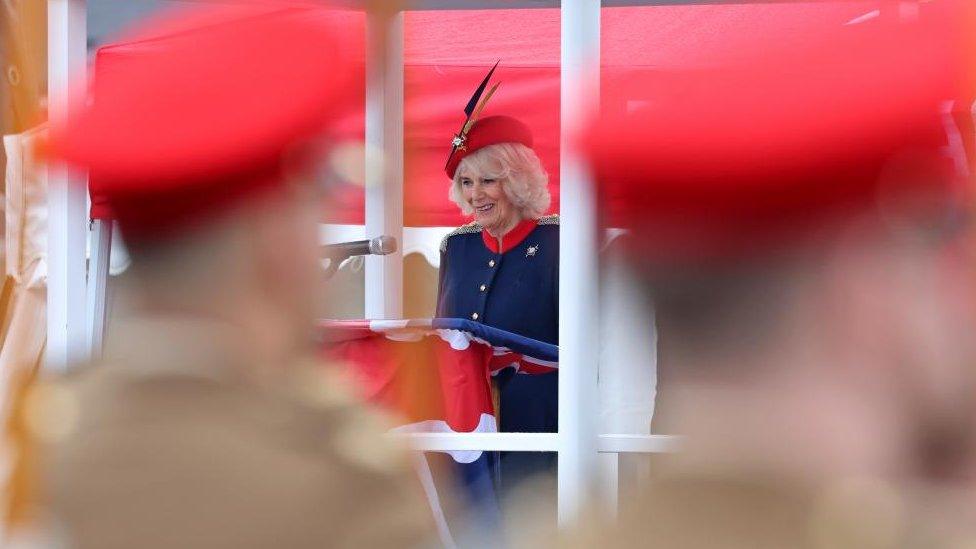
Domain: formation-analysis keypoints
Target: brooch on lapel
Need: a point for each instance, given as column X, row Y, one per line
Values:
column 531, row 250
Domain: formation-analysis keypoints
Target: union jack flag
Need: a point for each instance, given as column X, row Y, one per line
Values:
column 433, row 373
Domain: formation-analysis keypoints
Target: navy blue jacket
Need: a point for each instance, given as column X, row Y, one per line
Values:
column 515, row 289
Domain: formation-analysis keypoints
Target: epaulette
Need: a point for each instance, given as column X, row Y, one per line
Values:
column 472, row 227
column 552, row 219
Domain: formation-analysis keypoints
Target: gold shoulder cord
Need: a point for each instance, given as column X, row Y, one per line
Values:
column 472, row 227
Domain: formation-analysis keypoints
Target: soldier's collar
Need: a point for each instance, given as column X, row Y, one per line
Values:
column 510, row 239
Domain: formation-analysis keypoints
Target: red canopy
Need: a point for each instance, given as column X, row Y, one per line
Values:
column 448, row 52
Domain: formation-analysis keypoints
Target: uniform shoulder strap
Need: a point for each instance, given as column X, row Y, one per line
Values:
column 472, row 227
column 552, row 219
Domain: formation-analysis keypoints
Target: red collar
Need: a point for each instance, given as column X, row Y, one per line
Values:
column 510, row 239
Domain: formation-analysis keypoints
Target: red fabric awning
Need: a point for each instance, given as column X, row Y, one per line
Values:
column 448, row 52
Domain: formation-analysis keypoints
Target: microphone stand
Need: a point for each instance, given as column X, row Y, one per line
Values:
column 338, row 256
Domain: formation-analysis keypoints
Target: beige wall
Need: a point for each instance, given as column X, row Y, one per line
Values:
column 346, row 292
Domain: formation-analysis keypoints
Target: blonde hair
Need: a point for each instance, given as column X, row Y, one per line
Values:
column 517, row 168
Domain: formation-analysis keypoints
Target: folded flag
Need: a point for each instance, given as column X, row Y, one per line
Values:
column 433, row 373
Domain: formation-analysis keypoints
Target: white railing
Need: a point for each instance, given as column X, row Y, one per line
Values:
column 534, row 442
column 579, row 312
column 384, row 160
column 67, row 198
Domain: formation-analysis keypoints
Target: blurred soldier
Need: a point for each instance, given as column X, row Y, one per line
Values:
column 205, row 425
column 796, row 226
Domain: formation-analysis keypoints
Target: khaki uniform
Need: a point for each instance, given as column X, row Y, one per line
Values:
column 765, row 512
column 176, row 440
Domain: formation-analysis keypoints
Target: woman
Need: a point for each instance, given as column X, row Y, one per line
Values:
column 503, row 268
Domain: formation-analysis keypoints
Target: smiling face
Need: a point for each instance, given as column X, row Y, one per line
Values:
column 485, row 194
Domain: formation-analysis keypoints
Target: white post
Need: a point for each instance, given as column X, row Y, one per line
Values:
column 67, row 219
column 609, row 464
column 101, row 249
column 384, row 160
column 578, row 244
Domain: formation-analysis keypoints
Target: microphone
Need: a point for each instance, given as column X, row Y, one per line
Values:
column 381, row 245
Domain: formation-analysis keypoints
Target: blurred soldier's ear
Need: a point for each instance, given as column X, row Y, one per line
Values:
column 283, row 232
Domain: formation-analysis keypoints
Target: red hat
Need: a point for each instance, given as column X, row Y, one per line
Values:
column 747, row 159
column 490, row 130
column 201, row 107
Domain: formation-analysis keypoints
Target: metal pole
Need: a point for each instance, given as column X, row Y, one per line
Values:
column 66, row 328
column 101, row 249
column 384, row 160
column 578, row 243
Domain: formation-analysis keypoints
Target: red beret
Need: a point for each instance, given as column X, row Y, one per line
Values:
column 748, row 158
column 490, row 130
column 200, row 107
